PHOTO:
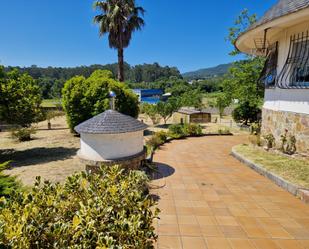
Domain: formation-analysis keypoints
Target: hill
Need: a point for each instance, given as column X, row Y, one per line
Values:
column 207, row 72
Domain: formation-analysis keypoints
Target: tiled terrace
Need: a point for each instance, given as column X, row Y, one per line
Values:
column 210, row 200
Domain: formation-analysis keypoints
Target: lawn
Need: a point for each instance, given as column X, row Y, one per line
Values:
column 51, row 154
column 295, row 170
column 50, row 103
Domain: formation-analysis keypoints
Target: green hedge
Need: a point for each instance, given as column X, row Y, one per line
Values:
column 105, row 210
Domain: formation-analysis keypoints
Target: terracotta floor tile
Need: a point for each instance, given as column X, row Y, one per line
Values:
column 278, row 232
column 187, row 220
column 206, row 220
column 233, row 232
column 241, row 244
column 166, row 229
column 304, row 243
column 265, row 244
column 169, row 242
column 289, row 244
column 193, row 242
column 217, row 243
column 211, row 231
column 190, row 230
column 298, row 233
column 212, row 197
column 168, row 219
column 226, row 221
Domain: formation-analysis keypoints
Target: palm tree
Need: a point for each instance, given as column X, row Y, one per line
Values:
column 119, row 19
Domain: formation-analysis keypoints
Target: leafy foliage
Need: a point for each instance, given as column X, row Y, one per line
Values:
column 152, row 112
column 20, row 98
column 166, row 109
column 51, row 79
column 246, row 113
column 241, row 24
column 84, row 98
column 23, row 134
column 8, row 184
column 192, row 129
column 105, row 210
column 288, row 143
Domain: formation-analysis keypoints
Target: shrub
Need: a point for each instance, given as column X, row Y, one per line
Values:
column 8, row 184
column 176, row 131
column 84, row 98
column 154, row 142
column 270, row 140
column 105, row 210
column 162, row 135
column 23, row 134
column 193, row 129
column 255, row 128
column 288, row 143
column 224, row 131
column 245, row 113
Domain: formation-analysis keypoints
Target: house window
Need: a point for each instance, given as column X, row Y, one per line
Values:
column 269, row 72
column 295, row 73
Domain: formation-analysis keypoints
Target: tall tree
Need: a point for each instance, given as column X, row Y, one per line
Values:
column 119, row 19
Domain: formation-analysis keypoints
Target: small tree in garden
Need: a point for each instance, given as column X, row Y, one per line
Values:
column 84, row 98
column 221, row 103
column 152, row 112
column 166, row 109
column 246, row 113
column 20, row 98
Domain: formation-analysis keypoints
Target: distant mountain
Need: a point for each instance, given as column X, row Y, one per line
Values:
column 207, row 72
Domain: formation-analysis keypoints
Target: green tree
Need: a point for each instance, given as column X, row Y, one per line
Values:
column 242, row 81
column 20, row 98
column 241, row 24
column 193, row 98
column 221, row 103
column 166, row 109
column 119, row 19
column 152, row 112
column 84, row 98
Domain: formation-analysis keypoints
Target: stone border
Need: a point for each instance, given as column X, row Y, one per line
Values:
column 286, row 185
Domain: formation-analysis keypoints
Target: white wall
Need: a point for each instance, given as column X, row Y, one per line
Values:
column 292, row 100
column 100, row 147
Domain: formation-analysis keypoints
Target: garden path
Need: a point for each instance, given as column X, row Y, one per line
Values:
column 210, row 200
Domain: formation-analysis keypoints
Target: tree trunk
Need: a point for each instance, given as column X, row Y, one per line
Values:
column 120, row 65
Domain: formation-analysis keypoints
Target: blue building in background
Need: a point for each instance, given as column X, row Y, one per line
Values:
column 151, row 96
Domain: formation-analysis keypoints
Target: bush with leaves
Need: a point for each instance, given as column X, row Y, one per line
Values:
column 20, row 98
column 176, row 131
column 109, row 209
column 8, row 184
column 270, row 140
column 246, row 113
column 23, row 134
column 288, row 143
column 84, row 98
column 193, row 129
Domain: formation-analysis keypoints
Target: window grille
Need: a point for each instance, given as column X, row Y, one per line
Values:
column 269, row 72
column 295, row 73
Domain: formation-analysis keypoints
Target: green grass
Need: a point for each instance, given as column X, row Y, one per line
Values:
column 50, row 102
column 295, row 170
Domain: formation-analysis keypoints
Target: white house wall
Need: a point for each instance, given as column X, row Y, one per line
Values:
column 100, row 147
column 291, row 100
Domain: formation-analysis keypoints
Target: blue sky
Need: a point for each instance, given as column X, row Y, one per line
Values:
column 187, row 34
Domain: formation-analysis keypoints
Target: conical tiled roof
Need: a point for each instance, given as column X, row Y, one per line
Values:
column 110, row 122
column 282, row 8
